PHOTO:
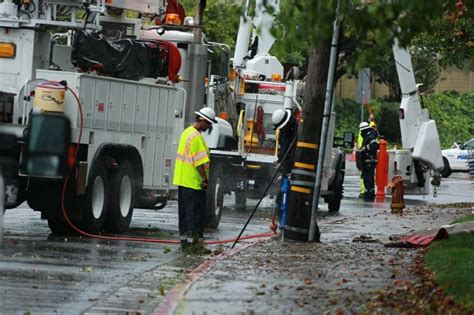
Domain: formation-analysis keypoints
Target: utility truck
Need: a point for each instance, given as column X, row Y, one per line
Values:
column 259, row 90
column 421, row 151
column 137, row 87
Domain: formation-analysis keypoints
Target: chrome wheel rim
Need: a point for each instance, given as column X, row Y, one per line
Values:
column 125, row 196
column 98, row 197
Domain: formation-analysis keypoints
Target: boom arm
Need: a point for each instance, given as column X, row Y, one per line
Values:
column 419, row 132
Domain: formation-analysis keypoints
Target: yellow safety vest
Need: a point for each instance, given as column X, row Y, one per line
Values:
column 192, row 152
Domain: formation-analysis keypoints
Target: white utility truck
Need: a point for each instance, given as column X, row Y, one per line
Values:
column 138, row 88
column 259, row 90
column 420, row 140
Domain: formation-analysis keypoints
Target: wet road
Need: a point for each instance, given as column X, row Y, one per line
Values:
column 42, row 274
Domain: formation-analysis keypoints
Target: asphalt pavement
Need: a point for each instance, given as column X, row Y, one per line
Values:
column 42, row 274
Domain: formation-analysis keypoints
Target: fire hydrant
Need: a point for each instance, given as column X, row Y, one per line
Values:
column 398, row 191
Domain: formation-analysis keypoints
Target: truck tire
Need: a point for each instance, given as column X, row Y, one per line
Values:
column 121, row 199
column 95, row 209
column 337, row 187
column 240, row 201
column 446, row 171
column 334, row 200
column 214, row 198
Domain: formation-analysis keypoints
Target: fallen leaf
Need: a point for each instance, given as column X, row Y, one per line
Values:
column 87, row 269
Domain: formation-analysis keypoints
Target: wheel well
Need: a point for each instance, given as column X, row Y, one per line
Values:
column 121, row 153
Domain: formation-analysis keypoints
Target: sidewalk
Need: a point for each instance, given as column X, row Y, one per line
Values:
column 336, row 276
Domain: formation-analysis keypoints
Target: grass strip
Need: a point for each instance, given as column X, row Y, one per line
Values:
column 452, row 263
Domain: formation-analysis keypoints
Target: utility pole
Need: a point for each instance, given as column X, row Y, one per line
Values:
column 307, row 147
column 197, row 61
column 313, row 227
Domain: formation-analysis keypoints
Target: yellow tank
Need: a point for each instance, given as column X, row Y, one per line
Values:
column 49, row 97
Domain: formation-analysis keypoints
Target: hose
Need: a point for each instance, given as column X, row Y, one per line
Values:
column 265, row 192
column 123, row 238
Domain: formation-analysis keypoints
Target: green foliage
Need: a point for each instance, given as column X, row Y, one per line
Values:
column 454, row 116
column 452, row 262
column 221, row 20
column 453, row 113
column 451, row 36
column 388, row 122
column 376, row 23
column 347, row 116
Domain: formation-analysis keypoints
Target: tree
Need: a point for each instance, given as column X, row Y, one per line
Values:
column 401, row 19
column 221, row 20
column 450, row 36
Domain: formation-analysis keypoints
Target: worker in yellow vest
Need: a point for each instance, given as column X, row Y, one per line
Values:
column 360, row 140
column 191, row 176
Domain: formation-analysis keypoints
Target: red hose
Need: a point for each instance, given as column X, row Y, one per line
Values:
column 126, row 238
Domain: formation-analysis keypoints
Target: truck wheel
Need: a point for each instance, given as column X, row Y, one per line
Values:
column 334, row 200
column 446, row 171
column 240, row 201
column 96, row 198
column 215, row 199
column 121, row 199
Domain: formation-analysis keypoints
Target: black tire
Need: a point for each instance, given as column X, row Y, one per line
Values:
column 95, row 209
column 214, row 198
column 240, row 201
column 121, row 199
column 446, row 172
column 334, row 200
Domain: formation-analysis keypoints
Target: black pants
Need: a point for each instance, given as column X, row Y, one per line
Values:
column 191, row 211
column 368, row 174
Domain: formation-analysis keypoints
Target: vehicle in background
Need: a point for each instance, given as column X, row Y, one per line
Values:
column 260, row 88
column 456, row 157
column 421, row 153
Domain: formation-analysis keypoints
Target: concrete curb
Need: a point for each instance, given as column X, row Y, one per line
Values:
column 171, row 301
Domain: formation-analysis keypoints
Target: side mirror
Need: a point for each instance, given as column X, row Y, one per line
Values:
column 349, row 138
column 47, row 144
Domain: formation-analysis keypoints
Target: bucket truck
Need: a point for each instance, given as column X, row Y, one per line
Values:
column 136, row 87
column 420, row 140
column 259, row 91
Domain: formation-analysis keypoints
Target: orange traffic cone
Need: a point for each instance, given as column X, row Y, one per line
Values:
column 353, row 154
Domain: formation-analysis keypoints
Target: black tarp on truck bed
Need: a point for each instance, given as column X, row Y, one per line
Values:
column 125, row 58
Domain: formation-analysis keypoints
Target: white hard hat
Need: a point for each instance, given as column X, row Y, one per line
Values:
column 364, row 125
column 280, row 118
column 208, row 114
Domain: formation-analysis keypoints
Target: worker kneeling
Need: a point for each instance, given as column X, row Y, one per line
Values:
column 369, row 150
column 191, row 176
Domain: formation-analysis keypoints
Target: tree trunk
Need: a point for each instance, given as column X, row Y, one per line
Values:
column 309, row 132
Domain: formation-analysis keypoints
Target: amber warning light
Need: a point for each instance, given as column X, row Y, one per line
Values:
column 7, row 50
column 172, row 19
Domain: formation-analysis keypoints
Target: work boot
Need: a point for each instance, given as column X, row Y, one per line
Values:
column 197, row 247
column 369, row 196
